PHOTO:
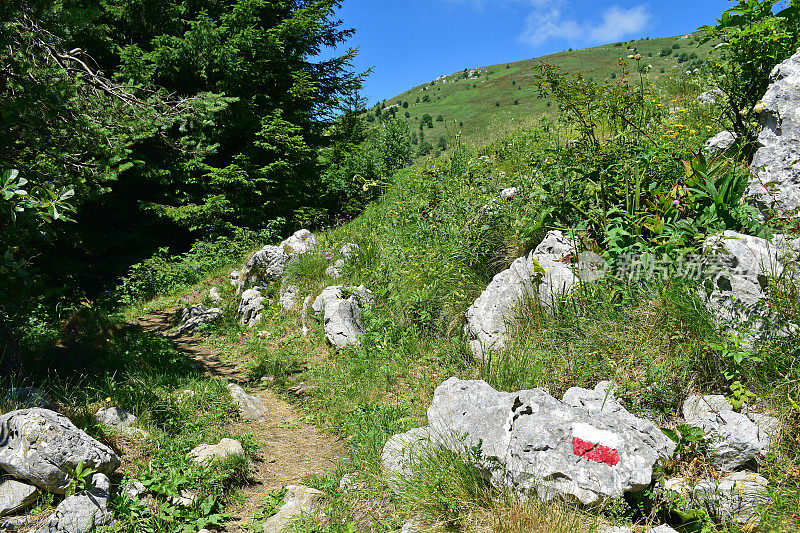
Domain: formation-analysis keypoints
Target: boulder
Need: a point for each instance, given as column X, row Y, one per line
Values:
column 539, row 275
column 264, row 266
column 361, row 295
column 208, row 453
column 290, row 295
column 299, row 502
column 214, row 295
column 83, row 511
column 16, row 496
column 740, row 267
column 402, row 452
column 44, row 447
column 733, row 439
column 301, row 242
column 734, row 497
column 234, row 279
column 335, row 270
column 194, row 316
column 720, row 143
column 777, row 161
column 533, row 443
column 342, row 323
column 115, row 417
column 28, row 397
column 250, row 407
column 250, row 307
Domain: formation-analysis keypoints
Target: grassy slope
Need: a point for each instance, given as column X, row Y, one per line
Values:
column 458, row 102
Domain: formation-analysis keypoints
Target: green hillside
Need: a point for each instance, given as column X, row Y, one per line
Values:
column 470, row 104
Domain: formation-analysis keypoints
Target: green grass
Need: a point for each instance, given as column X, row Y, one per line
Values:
column 483, row 121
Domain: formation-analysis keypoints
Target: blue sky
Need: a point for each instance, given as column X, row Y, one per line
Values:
column 410, row 42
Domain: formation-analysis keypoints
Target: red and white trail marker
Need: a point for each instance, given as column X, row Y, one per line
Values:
column 595, row 444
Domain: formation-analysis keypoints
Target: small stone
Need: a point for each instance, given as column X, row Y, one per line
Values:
column 207, row 453
column 185, row 498
column 250, row 407
column 195, row 316
column 134, row 489
column 662, row 529
column 302, row 389
column 735, row 496
column 289, row 297
column 720, row 143
column 509, row 193
column 403, row 452
column 412, row 527
column 250, row 307
column 115, row 417
column 234, row 278
column 347, row 483
column 299, row 501
column 16, row 496
column 614, row 529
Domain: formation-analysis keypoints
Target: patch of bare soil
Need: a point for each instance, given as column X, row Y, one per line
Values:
column 289, row 447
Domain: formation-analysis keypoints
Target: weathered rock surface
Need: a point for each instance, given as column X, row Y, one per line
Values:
column 250, row 407
column 214, row 295
column 402, row 453
column 16, row 496
column 196, row 315
column 265, row 266
column 342, row 323
column 250, row 307
column 540, row 274
column 208, row 453
column 83, row 511
column 533, row 443
column 735, row 497
column 614, row 529
column 115, row 417
column 733, row 439
column 335, row 270
column 304, row 314
column 720, row 143
column 234, row 279
column 662, row 529
column 134, row 489
column 301, row 242
column 43, row 447
column 28, row 397
column 741, row 266
column 361, row 295
column 290, row 295
column 300, row 502
column 777, row 161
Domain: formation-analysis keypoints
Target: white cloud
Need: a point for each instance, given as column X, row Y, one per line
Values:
column 547, row 22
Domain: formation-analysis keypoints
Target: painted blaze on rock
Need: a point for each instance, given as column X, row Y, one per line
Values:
column 594, row 444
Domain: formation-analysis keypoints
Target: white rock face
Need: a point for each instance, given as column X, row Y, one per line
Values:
column 734, row 497
column 208, row 453
column 301, row 242
column 250, row 307
column 340, row 308
column 290, row 295
column 733, row 439
column 532, row 443
column 194, row 316
column 83, row 511
column 265, row 266
column 777, row 159
column 539, row 274
column 16, row 496
column 300, row 501
column 43, row 447
column 720, row 143
column 250, row 407
column 742, row 266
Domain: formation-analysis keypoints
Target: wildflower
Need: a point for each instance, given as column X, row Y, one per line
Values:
column 631, row 56
column 759, row 108
column 638, row 57
column 108, row 398
column 676, row 203
column 708, row 128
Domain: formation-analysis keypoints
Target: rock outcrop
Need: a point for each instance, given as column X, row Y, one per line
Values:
column 733, row 497
column 340, row 308
column 290, row 295
column 196, row 315
column 539, row 275
column 347, row 251
column 44, row 447
column 250, row 307
column 587, row 449
column 720, row 143
column 733, row 438
column 741, row 266
column 777, row 161
column 268, row 264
